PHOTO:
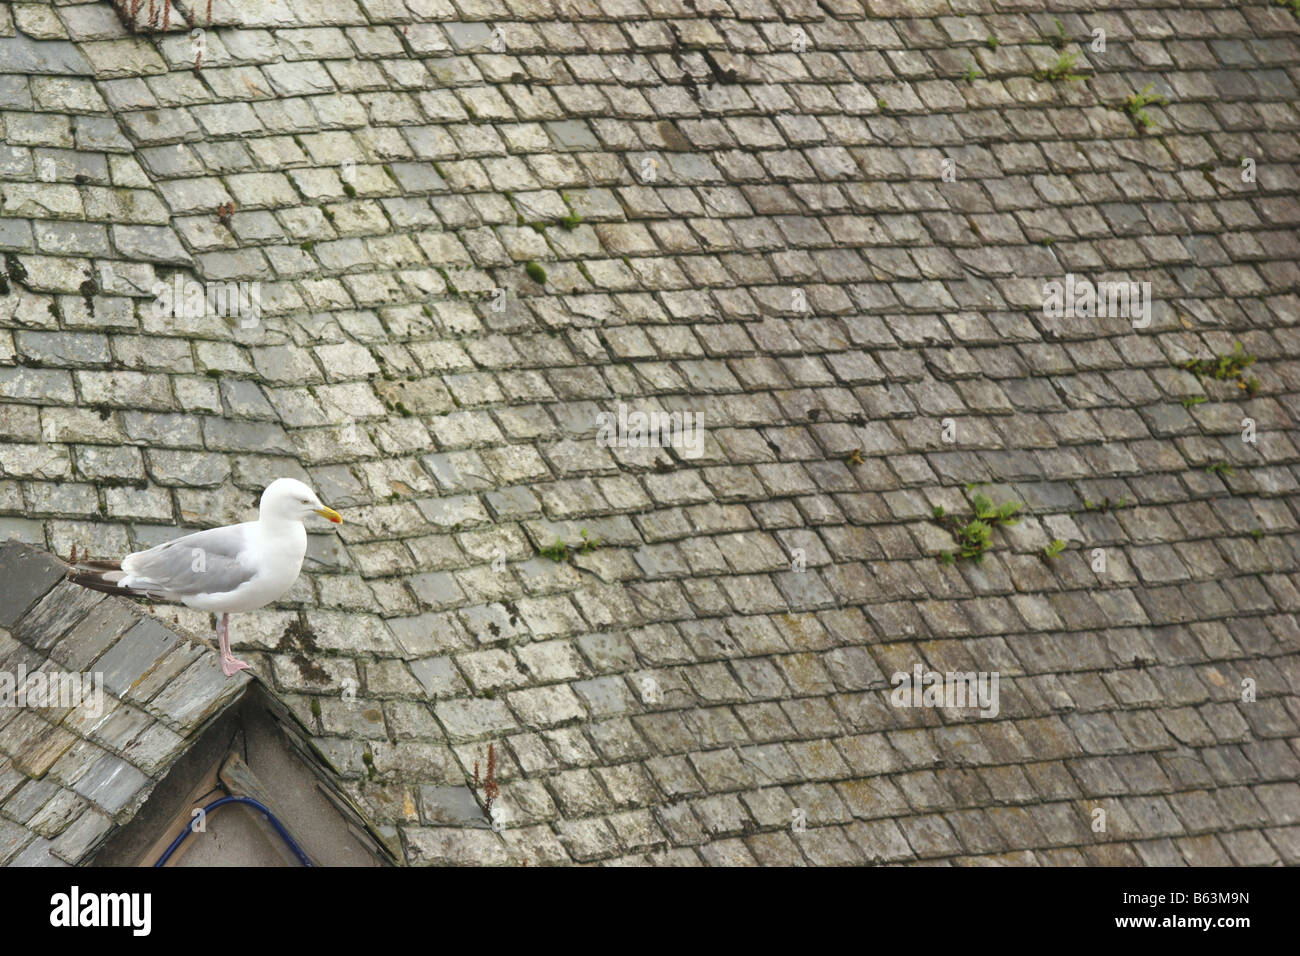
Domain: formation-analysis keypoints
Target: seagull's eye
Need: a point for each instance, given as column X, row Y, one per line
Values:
column 305, row 501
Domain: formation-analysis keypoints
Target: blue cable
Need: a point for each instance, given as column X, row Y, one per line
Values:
column 279, row 828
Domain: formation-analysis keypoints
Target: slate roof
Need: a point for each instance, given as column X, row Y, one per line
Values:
column 685, row 173
column 69, row 775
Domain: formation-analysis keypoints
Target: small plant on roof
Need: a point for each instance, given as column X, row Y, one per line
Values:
column 971, row 73
column 1135, row 103
column 535, row 272
column 1062, row 69
column 1060, row 38
column 557, row 552
column 489, row 784
column 992, row 42
column 1054, row 549
column 1220, row 468
column 1105, row 505
column 589, row 544
column 975, row 537
column 854, row 457
column 1230, row 366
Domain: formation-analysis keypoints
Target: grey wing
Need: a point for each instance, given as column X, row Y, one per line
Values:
column 206, row 562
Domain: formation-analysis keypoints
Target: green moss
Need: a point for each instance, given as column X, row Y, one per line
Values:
column 535, row 272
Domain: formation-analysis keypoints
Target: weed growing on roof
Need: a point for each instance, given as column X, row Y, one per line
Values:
column 1062, row 69
column 1220, row 468
column 1106, row 505
column 1292, row 5
column 1135, row 102
column 854, row 457
column 975, row 537
column 490, row 788
column 1227, row 367
column 972, row 74
column 562, row 552
column 992, row 42
column 1191, row 400
column 1054, row 549
column 1059, row 39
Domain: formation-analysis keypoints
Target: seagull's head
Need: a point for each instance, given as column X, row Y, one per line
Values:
column 287, row 499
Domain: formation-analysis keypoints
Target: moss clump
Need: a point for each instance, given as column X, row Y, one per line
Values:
column 535, row 272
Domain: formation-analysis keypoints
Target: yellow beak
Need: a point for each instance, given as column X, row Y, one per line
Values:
column 329, row 513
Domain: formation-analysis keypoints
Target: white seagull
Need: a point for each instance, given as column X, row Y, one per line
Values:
column 239, row 567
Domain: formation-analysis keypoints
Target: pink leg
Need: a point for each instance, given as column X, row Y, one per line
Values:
column 229, row 665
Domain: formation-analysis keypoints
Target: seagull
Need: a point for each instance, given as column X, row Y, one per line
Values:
column 238, row 567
